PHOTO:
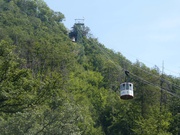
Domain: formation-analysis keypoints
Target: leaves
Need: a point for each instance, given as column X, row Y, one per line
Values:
column 51, row 85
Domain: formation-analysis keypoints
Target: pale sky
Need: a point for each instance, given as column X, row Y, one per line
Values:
column 147, row 30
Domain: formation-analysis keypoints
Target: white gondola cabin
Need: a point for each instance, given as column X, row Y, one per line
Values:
column 126, row 90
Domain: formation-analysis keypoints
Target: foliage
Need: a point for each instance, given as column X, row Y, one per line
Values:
column 17, row 85
column 51, row 85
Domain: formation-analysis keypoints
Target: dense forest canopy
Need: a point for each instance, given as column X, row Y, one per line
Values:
column 51, row 85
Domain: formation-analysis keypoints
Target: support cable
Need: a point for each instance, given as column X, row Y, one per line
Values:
column 141, row 79
column 145, row 81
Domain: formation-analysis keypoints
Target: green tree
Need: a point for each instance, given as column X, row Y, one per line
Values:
column 17, row 85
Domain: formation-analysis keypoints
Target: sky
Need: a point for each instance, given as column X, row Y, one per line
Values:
column 143, row 30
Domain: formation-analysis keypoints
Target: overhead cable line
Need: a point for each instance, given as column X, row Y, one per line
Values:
column 141, row 79
column 145, row 81
column 155, row 85
column 151, row 63
column 176, row 86
column 162, row 79
column 167, row 81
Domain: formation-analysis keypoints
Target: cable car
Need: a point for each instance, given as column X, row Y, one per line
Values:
column 126, row 90
column 73, row 39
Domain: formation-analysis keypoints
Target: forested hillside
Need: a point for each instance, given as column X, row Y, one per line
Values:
column 50, row 85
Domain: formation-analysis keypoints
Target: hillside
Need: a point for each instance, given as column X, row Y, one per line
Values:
column 52, row 85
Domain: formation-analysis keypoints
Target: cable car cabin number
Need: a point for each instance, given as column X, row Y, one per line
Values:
column 126, row 90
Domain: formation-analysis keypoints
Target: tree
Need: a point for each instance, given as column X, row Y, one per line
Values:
column 17, row 85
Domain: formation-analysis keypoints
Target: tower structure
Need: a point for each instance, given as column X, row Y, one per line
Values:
column 78, row 30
